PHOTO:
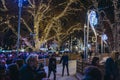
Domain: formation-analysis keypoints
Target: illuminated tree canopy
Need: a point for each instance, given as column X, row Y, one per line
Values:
column 44, row 20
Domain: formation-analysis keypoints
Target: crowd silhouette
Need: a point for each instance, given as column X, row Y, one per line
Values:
column 26, row 66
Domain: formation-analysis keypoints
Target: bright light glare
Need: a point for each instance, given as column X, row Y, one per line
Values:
column 93, row 18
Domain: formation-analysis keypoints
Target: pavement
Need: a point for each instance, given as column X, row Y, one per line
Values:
column 72, row 71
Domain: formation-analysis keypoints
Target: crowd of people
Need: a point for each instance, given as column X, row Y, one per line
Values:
column 110, row 71
column 21, row 67
column 26, row 66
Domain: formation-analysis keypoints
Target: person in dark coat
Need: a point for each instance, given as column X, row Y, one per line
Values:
column 28, row 70
column 64, row 60
column 52, row 66
column 111, row 71
column 95, row 61
column 117, row 63
column 19, row 62
column 13, row 71
column 92, row 73
column 3, row 73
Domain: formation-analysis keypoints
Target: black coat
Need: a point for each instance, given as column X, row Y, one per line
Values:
column 110, row 69
column 64, row 59
column 26, row 73
column 52, row 64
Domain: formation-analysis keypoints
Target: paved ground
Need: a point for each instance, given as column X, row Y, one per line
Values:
column 72, row 70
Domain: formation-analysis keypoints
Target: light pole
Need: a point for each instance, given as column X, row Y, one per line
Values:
column 20, row 2
column 88, row 27
column 85, row 47
column 92, row 18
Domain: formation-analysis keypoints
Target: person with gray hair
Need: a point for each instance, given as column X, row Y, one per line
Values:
column 28, row 70
column 32, row 60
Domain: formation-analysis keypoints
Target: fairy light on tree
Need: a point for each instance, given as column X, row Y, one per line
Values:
column 46, row 19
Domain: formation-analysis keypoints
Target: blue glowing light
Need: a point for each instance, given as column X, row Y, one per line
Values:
column 93, row 18
column 104, row 37
column 22, row 3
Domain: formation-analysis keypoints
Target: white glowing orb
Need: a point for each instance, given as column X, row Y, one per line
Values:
column 104, row 37
column 93, row 18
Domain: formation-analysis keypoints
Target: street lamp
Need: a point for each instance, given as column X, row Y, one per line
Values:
column 19, row 25
column 92, row 19
column 20, row 4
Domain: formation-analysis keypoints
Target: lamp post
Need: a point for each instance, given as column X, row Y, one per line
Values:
column 20, row 4
column 93, row 21
column 88, row 27
column 85, row 47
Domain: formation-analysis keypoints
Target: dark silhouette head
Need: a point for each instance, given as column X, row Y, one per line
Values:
column 95, row 61
column 13, row 71
column 92, row 73
column 20, row 62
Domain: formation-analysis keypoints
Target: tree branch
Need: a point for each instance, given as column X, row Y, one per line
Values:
column 24, row 22
column 4, row 6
